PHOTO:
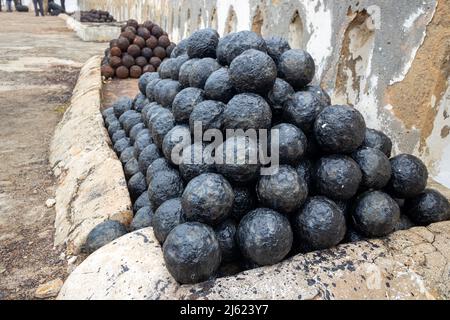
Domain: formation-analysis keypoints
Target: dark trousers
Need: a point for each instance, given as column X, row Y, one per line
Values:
column 63, row 5
column 9, row 5
column 39, row 3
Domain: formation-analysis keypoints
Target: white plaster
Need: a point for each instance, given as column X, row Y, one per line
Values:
column 242, row 10
column 412, row 18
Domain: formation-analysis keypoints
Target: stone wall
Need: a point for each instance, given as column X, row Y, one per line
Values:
column 388, row 59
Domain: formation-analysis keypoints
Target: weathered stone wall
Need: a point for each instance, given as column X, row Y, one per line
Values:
column 389, row 59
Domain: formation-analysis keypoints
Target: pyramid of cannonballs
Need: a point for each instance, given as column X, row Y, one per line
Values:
column 335, row 182
column 98, row 16
column 140, row 49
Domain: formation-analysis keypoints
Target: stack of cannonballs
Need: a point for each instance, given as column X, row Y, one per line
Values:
column 93, row 15
column 336, row 181
column 140, row 49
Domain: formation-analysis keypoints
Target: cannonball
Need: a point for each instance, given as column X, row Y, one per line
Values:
column 149, row 154
column 141, row 201
column 297, row 67
column 122, row 72
column 191, row 252
column 169, row 92
column 144, row 80
column 404, row 223
column 137, row 185
column 174, row 143
column 175, row 70
column 429, row 206
column 305, row 170
column 148, row 24
column 148, row 69
column 159, row 52
column 141, row 61
column 129, row 35
column 302, row 109
column 128, row 61
column 244, row 201
column 157, row 31
column 131, row 168
column 284, row 191
column 202, row 44
column 264, row 236
column 318, row 92
column 166, row 217
column 378, row 140
column 164, row 42
column 165, row 69
column 107, row 71
column 218, row 86
column 170, row 49
column 119, row 134
column 208, row 114
column 319, row 224
column 233, row 44
column 115, row 62
column 164, row 185
column 184, row 102
column 152, row 42
column 185, row 71
column 253, row 71
column 142, row 219
column 135, row 71
column 375, row 214
column 113, row 127
column 196, row 160
column 208, row 198
column 247, row 111
column 147, row 53
column 155, row 62
column 102, row 234
column 134, row 51
column 121, row 105
column 115, row 51
column 123, row 43
column 121, row 145
column 143, row 139
column 276, row 46
column 291, row 143
column 139, row 41
column 375, row 167
column 409, row 176
column 133, row 23
column 143, row 32
column 127, row 155
column 180, row 49
column 226, row 235
column 337, row 177
column 113, row 43
column 339, row 129
column 280, row 93
column 201, row 70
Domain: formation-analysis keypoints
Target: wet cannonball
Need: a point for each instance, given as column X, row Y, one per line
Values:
column 284, row 191
column 291, row 143
column 264, row 236
column 297, row 67
column 184, row 103
column 208, row 198
column 375, row 214
column 319, row 224
column 253, row 71
column 201, row 70
column 191, row 252
column 375, row 167
column 429, row 206
column 226, row 235
column 103, row 234
column 337, row 177
column 244, row 201
column 219, row 86
column 339, row 129
column 247, row 111
column 302, row 109
column 409, row 176
column 233, row 44
column 164, row 185
column 174, row 143
column 378, row 140
column 208, row 114
column 202, row 44
column 166, row 217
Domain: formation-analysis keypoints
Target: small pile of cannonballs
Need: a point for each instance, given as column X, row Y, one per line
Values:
column 140, row 49
column 98, row 16
column 336, row 181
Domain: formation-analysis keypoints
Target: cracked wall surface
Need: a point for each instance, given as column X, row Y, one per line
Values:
column 389, row 60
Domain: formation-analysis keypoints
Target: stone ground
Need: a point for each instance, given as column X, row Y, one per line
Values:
column 39, row 64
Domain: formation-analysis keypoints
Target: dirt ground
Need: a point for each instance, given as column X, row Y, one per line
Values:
column 39, row 64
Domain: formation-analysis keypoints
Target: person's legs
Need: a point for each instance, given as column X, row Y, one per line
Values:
column 9, row 5
column 36, row 12
column 63, row 5
column 41, row 7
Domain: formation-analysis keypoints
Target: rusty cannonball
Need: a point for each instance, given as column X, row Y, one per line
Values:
column 115, row 62
column 148, row 68
column 127, row 60
column 157, row 31
column 133, row 23
column 147, row 53
column 159, row 52
column 123, row 43
column 122, row 72
column 163, row 41
column 152, row 42
column 155, row 62
column 134, row 50
column 129, row 35
column 130, row 29
column 135, row 72
column 107, row 71
column 139, row 41
column 148, row 24
column 143, row 32
column 141, row 61
column 113, row 43
column 115, row 52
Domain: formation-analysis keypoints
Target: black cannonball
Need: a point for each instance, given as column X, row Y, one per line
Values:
column 192, row 253
column 219, row 86
column 161, row 124
column 113, row 127
column 319, row 224
column 121, row 145
column 142, row 219
column 378, row 140
column 276, row 46
column 281, row 92
column 253, row 71
column 166, row 217
column 284, row 191
column 319, row 92
column 292, row 143
column 160, row 164
column 208, row 198
column 207, row 113
column 247, row 111
column 145, row 79
column 337, row 177
column 149, row 154
column 163, row 186
column 137, row 185
column 201, row 70
column 226, row 235
column 184, row 103
column 150, row 89
column 141, row 201
column 110, row 119
column 196, row 160
column 409, row 176
column 404, row 223
column 302, row 109
column 169, row 92
column 185, row 71
column 121, row 105
column 353, row 235
column 297, row 67
column 305, row 170
column 165, row 69
column 244, row 201
column 176, row 66
column 108, row 112
column 158, row 90
column 375, row 167
column 180, row 49
column 131, row 121
column 137, row 128
column 174, row 143
column 103, row 234
column 233, row 44
column 264, row 236
column 202, row 44
column 339, row 129
column 119, row 134
column 375, row 214
column 127, row 155
column 131, row 168
column 143, row 139
column 429, row 206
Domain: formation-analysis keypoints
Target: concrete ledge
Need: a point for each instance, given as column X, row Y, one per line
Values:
column 91, row 185
column 96, row 32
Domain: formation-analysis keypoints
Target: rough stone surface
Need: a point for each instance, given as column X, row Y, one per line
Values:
column 91, row 185
column 49, row 289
